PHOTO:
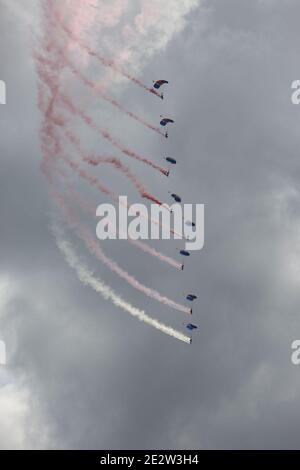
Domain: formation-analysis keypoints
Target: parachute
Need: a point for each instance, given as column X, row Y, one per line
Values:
column 191, row 327
column 176, row 197
column 191, row 297
column 171, row 160
column 185, row 253
column 166, row 121
column 159, row 83
column 190, row 223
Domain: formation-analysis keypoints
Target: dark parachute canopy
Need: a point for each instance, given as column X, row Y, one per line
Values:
column 166, row 121
column 185, row 253
column 176, row 197
column 189, row 223
column 191, row 297
column 191, row 326
column 159, row 83
column 171, row 160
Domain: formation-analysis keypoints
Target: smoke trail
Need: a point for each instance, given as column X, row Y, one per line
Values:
column 67, row 103
column 95, row 182
column 110, row 100
column 89, row 240
column 86, row 207
column 51, row 144
column 108, row 136
column 105, row 62
column 97, row 160
column 87, row 278
column 86, row 236
column 97, row 89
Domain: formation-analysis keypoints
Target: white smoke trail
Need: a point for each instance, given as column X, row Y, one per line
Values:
column 48, row 138
column 89, row 240
column 87, row 278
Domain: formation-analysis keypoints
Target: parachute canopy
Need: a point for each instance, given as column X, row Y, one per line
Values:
column 159, row 83
column 176, row 197
column 185, row 253
column 191, row 297
column 171, row 160
column 165, row 121
column 189, row 223
column 191, row 327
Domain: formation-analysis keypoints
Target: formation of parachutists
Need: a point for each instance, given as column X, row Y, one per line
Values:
column 164, row 122
column 66, row 158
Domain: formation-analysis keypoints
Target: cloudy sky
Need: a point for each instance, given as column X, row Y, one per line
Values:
column 83, row 374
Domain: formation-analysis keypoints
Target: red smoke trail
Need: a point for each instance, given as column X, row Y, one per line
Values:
column 97, row 160
column 67, row 103
column 108, row 136
column 112, row 101
column 95, row 182
column 51, row 145
column 88, row 208
column 105, row 62
column 89, row 240
column 93, row 160
column 98, row 90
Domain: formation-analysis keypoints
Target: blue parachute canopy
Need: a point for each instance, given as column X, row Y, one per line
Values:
column 191, row 297
column 191, row 327
column 171, row 160
column 185, row 253
column 159, row 83
column 165, row 121
column 176, row 197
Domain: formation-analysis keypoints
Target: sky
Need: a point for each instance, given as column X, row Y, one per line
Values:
column 82, row 373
